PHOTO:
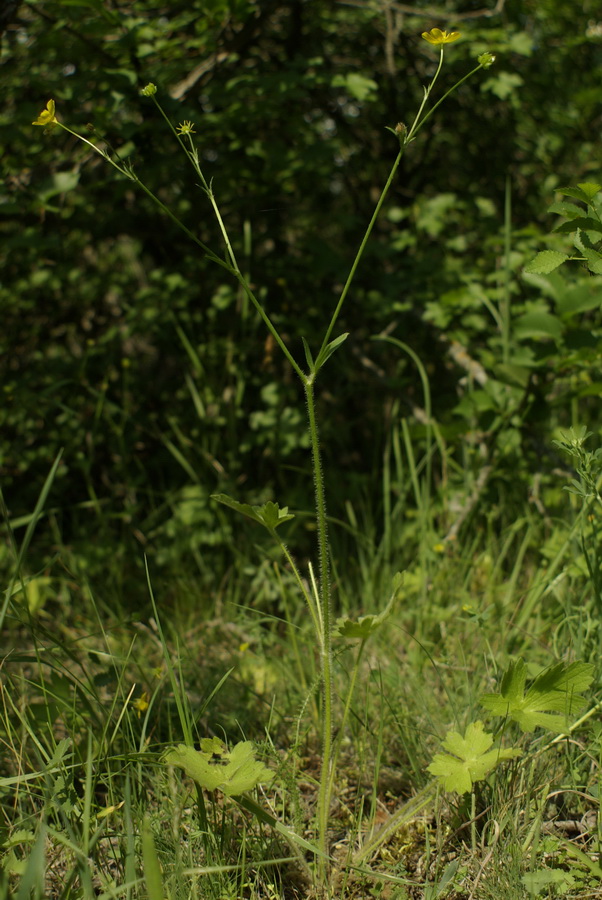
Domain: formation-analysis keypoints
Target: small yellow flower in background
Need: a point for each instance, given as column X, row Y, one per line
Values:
column 47, row 117
column 141, row 704
column 436, row 36
column 186, row 128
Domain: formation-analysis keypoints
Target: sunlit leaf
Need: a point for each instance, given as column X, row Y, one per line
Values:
column 468, row 759
column 215, row 768
column 545, row 262
column 556, row 690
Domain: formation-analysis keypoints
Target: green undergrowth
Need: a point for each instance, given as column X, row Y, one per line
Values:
column 93, row 698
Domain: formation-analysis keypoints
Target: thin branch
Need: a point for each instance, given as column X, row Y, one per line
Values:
column 182, row 87
column 429, row 12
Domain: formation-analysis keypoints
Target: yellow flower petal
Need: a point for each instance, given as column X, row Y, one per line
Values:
column 436, row 36
column 47, row 117
column 142, row 704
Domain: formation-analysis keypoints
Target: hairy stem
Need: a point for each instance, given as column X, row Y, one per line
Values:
column 326, row 646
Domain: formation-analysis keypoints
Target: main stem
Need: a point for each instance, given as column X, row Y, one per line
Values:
column 326, row 636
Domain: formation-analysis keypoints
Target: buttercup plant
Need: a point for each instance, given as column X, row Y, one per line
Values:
column 319, row 598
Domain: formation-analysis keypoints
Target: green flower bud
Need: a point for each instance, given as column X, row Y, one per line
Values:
column 486, row 59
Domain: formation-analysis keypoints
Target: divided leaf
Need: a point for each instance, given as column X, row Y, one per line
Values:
column 214, row 767
column 556, row 690
column 268, row 514
column 469, row 758
column 363, row 627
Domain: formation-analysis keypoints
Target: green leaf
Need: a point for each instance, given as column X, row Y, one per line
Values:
column 580, row 297
column 538, row 325
column 542, row 879
column 329, row 349
column 584, row 244
column 33, row 877
column 357, row 86
column 292, row 838
column 582, row 240
column 585, row 191
column 152, row 866
column 593, row 260
column 362, row 628
column 469, row 758
column 521, row 42
column 503, row 85
column 545, row 262
column 216, row 768
column 556, row 690
column 590, row 188
column 568, row 210
column 268, row 514
column 309, row 358
column 587, row 223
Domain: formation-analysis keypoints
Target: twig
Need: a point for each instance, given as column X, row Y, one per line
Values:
column 431, row 12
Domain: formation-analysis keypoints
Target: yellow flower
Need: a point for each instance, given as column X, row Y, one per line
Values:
column 47, row 117
column 436, row 36
column 186, row 128
column 141, row 704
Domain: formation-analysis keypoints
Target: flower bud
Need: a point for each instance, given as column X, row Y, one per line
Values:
column 486, row 59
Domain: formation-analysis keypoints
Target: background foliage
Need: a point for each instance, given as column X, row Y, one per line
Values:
column 144, row 364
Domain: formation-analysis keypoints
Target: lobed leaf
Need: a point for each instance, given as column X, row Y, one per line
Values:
column 469, row 758
column 268, row 514
column 556, row 690
column 363, row 627
column 215, row 768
